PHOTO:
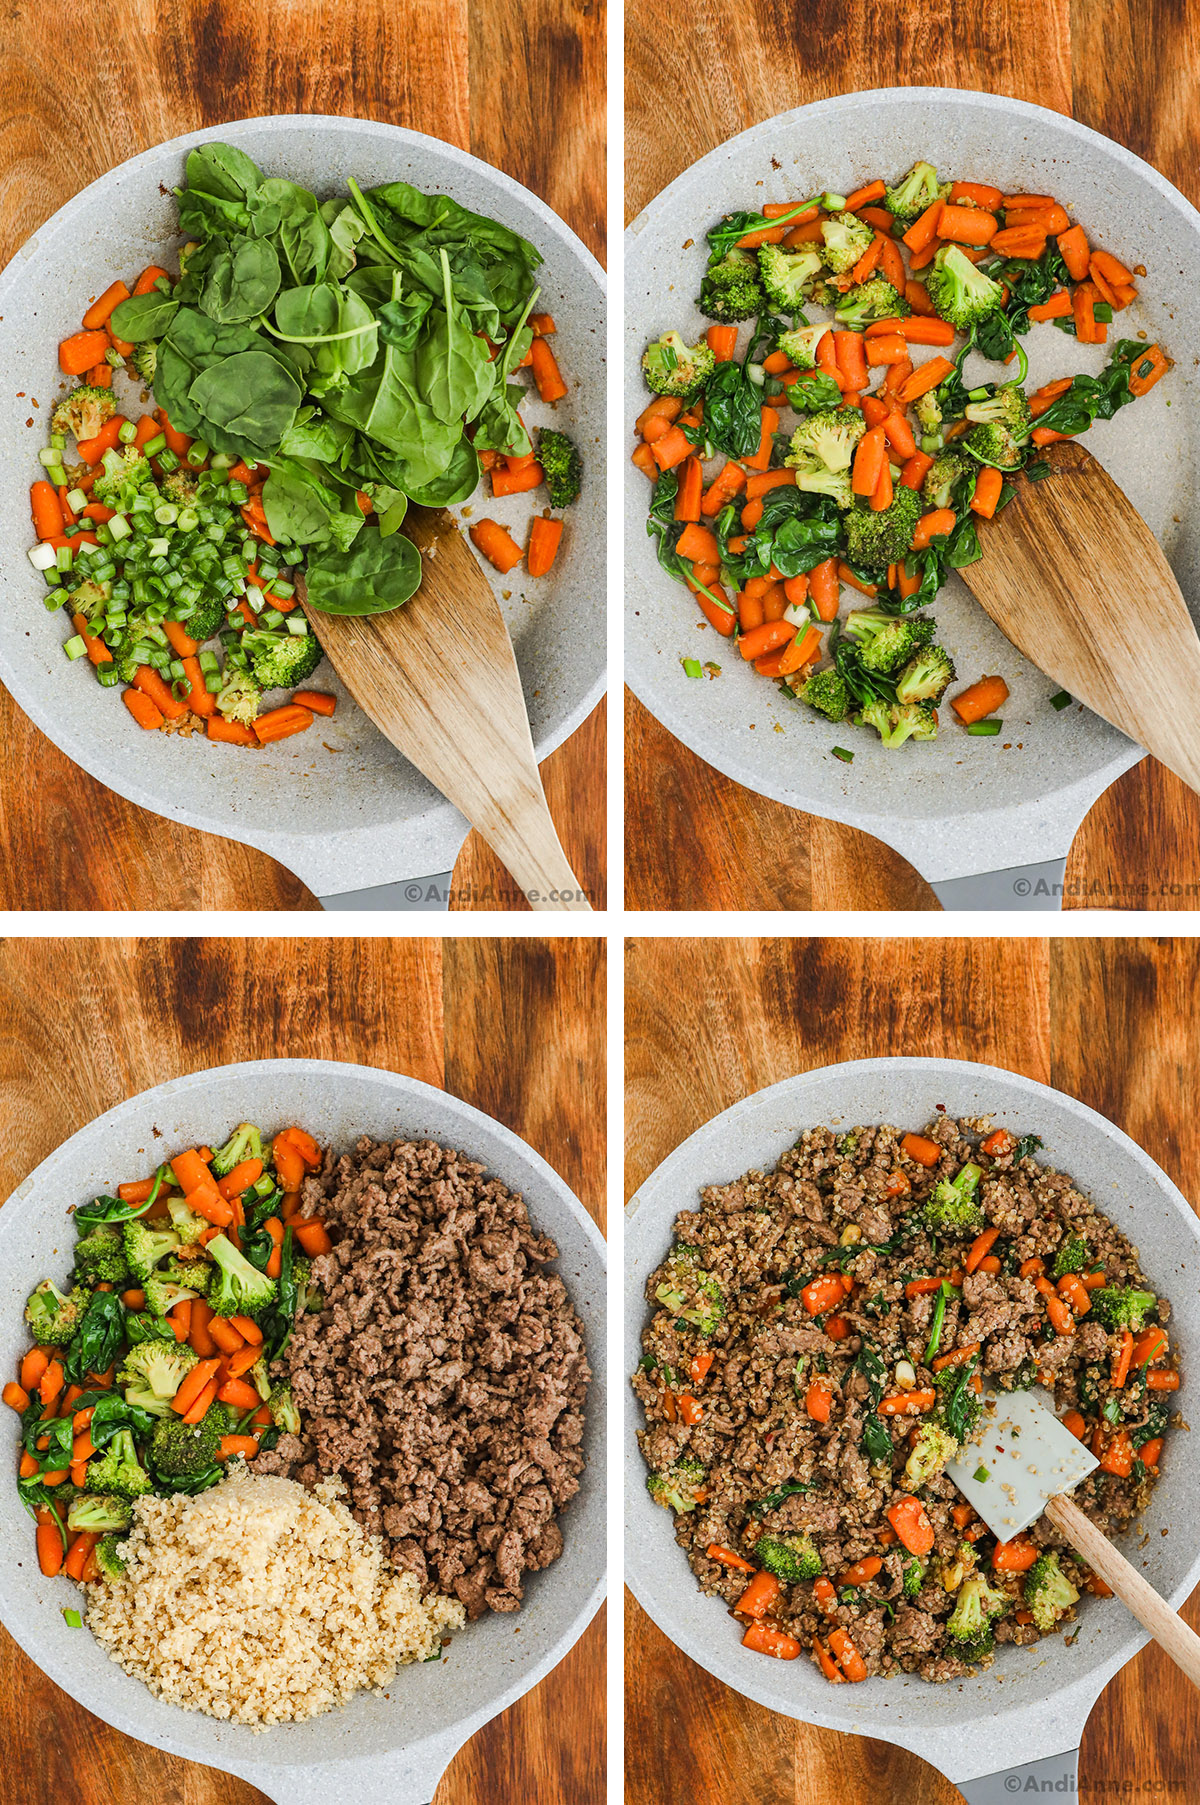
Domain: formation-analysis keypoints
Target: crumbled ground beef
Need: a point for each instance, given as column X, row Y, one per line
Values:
column 850, row 1204
column 445, row 1377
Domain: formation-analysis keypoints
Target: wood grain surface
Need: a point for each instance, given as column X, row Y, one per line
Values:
column 515, row 1027
column 66, row 842
column 1111, row 1022
column 1137, row 847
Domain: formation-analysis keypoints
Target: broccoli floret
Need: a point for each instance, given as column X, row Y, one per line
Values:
column 954, row 1208
column 117, row 1469
column 789, row 1557
column 162, row 1294
column 875, row 299
column 689, row 1292
column 181, row 486
column 129, row 649
column 827, row 693
column 1072, row 1256
column 144, row 1399
column 786, row 277
column 895, row 723
column 244, row 1143
column 145, row 1247
column 918, row 190
column 941, row 477
column 281, row 660
column 673, row 368
column 834, row 483
column 845, row 238
column 239, row 699
column 960, row 293
column 993, row 444
column 283, row 1410
column 799, row 345
column 239, row 1289
column 161, row 1366
column 926, row 677
column 1121, row 1307
column 180, row 1450
column 99, row 1511
column 886, row 641
column 53, row 1318
column 309, row 1295
column 260, row 1378
column 186, row 1223
column 879, row 536
column 933, row 1447
column 206, row 618
column 976, row 1609
column 127, row 472
column 142, row 361
column 194, row 1275
column 676, row 1488
column 1006, row 406
column 731, row 290
column 826, row 440
column 110, row 1557
column 913, row 1571
column 84, row 411
column 928, row 410
column 561, row 466
column 1049, row 1594
column 100, row 1256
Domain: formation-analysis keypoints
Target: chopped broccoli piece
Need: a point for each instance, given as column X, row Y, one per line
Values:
column 186, row 1223
column 207, row 618
column 886, row 641
column 53, row 1318
column 161, row 1366
column 731, row 290
column 145, row 1247
column 876, row 537
column 689, row 1292
column 993, row 444
column 1072, row 1256
column 240, row 1289
column 941, row 477
column 895, row 722
column 928, row 410
column 676, row 1488
column 561, row 465
column 181, row 486
column 244, row 1143
column 799, row 345
column 954, row 1209
column 283, row 1410
column 834, row 483
column 789, row 1557
column 1049, row 1594
column 163, row 1294
column 100, row 1256
column 918, row 190
column 875, row 299
column 673, row 368
column 826, row 440
column 126, row 472
column 786, row 278
column 976, row 1609
column 933, row 1447
column 827, row 693
column 1122, row 1307
column 110, row 1556
column 142, row 361
column 846, row 238
column 925, row 677
column 309, row 1295
column 1006, row 406
column 180, row 1450
column 117, row 1469
column 281, row 660
column 913, row 1571
column 84, row 411
column 144, row 1399
column 239, row 699
column 99, row 1511
column 961, row 294
column 260, row 1378
column 194, row 1275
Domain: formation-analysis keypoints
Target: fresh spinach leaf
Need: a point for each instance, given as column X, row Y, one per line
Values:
column 454, row 370
column 732, row 411
column 459, row 479
column 373, row 576
column 94, row 1345
column 250, row 399
column 143, row 316
column 242, row 281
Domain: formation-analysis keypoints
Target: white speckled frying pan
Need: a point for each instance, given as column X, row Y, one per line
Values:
column 339, row 805
column 988, row 828
column 1017, row 1727
column 374, row 1750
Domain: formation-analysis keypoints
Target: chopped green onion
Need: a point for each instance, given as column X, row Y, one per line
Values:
column 127, row 432
column 77, row 501
column 119, row 527
column 221, row 460
column 188, row 520
column 43, row 556
column 72, row 1618
column 54, row 600
column 980, row 1475
column 58, row 440
column 841, row 752
column 985, row 730
column 75, row 647
column 691, row 667
column 154, row 446
column 167, row 461
column 63, row 557
column 197, row 454
column 159, row 548
column 297, row 625
column 50, row 455
column 1061, row 700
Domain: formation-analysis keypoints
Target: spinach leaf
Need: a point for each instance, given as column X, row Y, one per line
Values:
column 140, row 1325
column 454, row 371
column 115, row 1209
column 112, row 1414
column 345, row 232
column 789, row 1489
column 372, row 576
column 302, row 509
column 401, row 319
column 1027, row 1144
column 250, row 399
column 278, row 1323
column 143, row 316
column 94, row 1345
column 243, row 280
column 55, row 1457
column 1095, row 397
column 961, row 1408
column 312, row 435
column 732, row 411
column 459, row 479
column 384, row 403
column 500, row 426
column 812, row 397
column 724, row 237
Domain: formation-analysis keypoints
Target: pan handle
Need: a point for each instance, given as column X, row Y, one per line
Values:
column 409, row 893
column 1055, row 1776
column 1020, row 887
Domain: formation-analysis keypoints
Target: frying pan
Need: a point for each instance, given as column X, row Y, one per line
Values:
column 340, row 807
column 1023, row 1719
column 988, row 827
column 374, row 1750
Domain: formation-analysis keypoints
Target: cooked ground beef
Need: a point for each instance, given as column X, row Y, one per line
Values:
column 445, row 1377
column 733, row 1348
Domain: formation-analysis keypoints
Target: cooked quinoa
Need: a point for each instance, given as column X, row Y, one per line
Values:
column 261, row 1602
column 818, row 1333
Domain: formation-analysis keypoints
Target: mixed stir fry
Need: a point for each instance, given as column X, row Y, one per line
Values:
column 151, row 1370
column 878, row 488
column 314, row 368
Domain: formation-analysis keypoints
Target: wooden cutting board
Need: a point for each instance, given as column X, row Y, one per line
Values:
column 1112, row 1022
column 696, row 840
column 515, row 1027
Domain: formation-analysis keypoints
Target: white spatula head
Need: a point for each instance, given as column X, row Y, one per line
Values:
column 1024, row 1456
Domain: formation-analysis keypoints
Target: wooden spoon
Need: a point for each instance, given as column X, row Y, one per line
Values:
column 439, row 678
column 1074, row 577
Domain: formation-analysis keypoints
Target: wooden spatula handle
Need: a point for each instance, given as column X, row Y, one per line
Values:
column 1152, row 1612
